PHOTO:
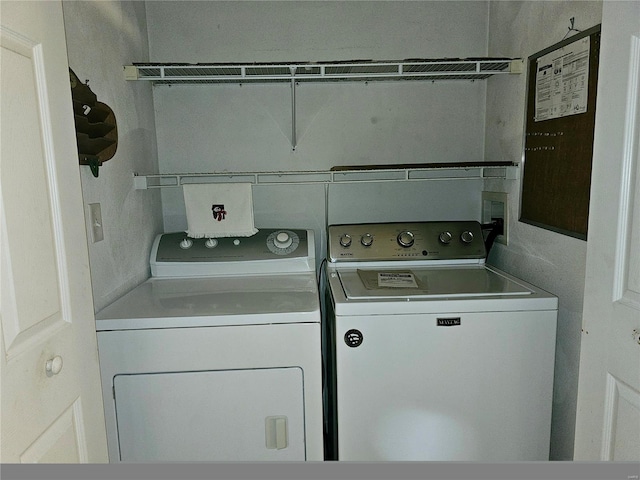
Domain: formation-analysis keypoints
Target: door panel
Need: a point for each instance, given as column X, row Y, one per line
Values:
column 608, row 410
column 59, row 442
column 51, row 399
column 622, row 419
column 31, row 249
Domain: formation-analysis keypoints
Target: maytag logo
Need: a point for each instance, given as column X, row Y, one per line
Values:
column 449, row 322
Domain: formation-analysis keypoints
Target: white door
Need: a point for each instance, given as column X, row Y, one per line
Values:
column 51, row 398
column 608, row 417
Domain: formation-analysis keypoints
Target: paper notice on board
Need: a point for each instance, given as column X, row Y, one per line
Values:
column 562, row 81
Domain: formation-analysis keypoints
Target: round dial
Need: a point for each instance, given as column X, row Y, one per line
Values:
column 445, row 237
column 467, row 236
column 345, row 240
column 211, row 243
column 366, row 239
column 186, row 243
column 283, row 242
column 405, row 239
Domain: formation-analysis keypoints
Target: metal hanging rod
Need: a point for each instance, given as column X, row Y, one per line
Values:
column 207, row 73
column 503, row 170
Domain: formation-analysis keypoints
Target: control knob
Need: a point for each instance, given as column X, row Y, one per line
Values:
column 282, row 240
column 186, row 243
column 445, row 238
column 211, row 243
column 467, row 236
column 366, row 239
column 405, row 239
column 345, row 240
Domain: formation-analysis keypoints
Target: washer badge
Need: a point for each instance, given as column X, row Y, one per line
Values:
column 353, row 338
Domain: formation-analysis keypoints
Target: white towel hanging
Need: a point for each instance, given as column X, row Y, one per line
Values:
column 219, row 210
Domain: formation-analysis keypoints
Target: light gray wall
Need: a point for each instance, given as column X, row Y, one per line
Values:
column 285, row 31
column 248, row 128
column 552, row 261
column 101, row 38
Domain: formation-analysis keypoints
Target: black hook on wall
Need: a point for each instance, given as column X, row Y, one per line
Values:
column 571, row 27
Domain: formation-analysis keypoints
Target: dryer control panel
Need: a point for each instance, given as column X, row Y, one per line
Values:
column 455, row 240
column 268, row 251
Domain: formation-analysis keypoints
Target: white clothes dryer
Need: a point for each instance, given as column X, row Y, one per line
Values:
column 217, row 357
column 432, row 354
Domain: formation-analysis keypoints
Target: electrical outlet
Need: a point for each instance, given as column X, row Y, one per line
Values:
column 95, row 217
column 495, row 205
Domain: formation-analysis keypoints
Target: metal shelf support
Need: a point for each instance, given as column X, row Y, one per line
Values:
column 294, row 140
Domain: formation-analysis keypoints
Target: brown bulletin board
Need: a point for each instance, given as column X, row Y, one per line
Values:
column 558, row 145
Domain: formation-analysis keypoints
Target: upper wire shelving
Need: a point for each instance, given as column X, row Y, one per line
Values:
column 367, row 70
column 469, row 69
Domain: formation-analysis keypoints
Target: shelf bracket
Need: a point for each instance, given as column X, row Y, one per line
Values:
column 293, row 107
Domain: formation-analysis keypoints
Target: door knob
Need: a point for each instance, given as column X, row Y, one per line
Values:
column 54, row 365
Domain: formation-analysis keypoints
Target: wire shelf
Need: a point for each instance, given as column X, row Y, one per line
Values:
column 476, row 170
column 204, row 73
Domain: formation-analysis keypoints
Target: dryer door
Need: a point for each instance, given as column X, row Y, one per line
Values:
column 223, row 415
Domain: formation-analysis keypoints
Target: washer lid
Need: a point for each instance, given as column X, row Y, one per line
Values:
column 428, row 282
column 206, row 301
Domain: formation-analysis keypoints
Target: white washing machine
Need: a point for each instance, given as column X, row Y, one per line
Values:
column 432, row 354
column 217, row 357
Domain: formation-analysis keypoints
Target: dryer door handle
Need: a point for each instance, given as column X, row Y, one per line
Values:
column 276, row 434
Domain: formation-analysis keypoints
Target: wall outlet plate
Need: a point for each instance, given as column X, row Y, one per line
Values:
column 495, row 205
column 95, row 220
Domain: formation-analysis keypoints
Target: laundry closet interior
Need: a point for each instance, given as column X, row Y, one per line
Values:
column 333, row 128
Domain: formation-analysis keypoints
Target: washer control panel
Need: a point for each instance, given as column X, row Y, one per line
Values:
column 406, row 241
